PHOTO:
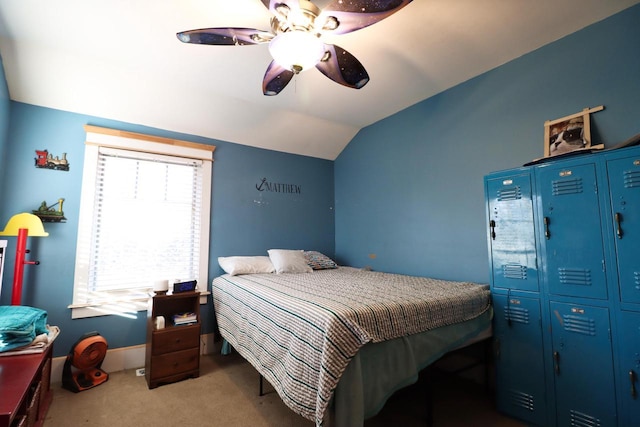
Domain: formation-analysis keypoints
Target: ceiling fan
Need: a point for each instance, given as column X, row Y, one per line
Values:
column 295, row 44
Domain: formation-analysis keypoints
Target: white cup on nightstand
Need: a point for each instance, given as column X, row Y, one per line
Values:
column 161, row 286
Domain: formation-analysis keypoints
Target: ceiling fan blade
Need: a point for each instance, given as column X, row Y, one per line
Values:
column 275, row 79
column 225, row 36
column 348, row 16
column 342, row 67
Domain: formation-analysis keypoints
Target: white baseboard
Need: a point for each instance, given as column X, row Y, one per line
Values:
column 120, row 359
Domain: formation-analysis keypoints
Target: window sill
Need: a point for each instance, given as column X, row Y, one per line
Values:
column 128, row 308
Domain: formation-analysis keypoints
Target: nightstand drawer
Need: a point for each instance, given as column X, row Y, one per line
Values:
column 175, row 363
column 176, row 338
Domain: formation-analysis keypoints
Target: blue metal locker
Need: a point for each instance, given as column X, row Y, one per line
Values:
column 629, row 368
column 583, row 365
column 623, row 173
column 624, row 183
column 568, row 343
column 520, row 390
column 571, row 230
column 512, row 244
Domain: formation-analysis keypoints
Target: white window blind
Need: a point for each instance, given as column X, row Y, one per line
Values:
column 144, row 217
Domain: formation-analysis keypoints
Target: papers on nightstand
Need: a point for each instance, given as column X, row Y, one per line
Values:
column 186, row 318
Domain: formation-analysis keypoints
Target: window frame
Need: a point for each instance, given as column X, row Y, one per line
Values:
column 98, row 137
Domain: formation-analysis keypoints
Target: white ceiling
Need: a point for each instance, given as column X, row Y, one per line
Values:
column 120, row 59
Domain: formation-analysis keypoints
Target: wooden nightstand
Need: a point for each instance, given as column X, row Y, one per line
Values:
column 173, row 352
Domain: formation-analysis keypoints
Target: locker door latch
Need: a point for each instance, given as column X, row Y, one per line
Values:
column 632, row 379
column 546, row 222
column 492, row 225
column 618, row 218
column 556, row 362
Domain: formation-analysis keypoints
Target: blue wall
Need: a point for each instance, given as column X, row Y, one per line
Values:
column 409, row 188
column 4, row 120
column 245, row 221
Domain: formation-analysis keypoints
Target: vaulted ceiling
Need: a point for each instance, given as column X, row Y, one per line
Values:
column 120, row 59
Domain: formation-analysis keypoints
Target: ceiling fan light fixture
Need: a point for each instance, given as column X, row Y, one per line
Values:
column 295, row 38
column 330, row 24
column 296, row 50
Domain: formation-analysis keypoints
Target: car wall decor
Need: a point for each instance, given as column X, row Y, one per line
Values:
column 50, row 213
column 45, row 160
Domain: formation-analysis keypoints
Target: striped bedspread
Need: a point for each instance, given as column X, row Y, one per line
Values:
column 301, row 330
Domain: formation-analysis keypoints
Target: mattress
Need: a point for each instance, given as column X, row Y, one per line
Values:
column 301, row 331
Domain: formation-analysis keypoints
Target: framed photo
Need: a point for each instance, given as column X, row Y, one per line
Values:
column 567, row 134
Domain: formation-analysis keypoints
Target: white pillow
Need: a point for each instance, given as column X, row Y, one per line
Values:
column 289, row 261
column 235, row 265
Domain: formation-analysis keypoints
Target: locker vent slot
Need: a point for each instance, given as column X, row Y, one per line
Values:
column 636, row 279
column 514, row 271
column 574, row 276
column 521, row 400
column 631, row 179
column 516, row 314
column 579, row 419
column 580, row 325
column 511, row 193
column 566, row 186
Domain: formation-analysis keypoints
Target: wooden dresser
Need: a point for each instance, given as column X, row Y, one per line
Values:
column 25, row 392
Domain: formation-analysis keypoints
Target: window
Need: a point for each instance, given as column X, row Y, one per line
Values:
column 144, row 216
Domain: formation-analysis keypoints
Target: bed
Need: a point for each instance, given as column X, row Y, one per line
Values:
column 336, row 343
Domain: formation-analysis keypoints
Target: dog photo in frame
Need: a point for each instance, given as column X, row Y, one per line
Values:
column 569, row 133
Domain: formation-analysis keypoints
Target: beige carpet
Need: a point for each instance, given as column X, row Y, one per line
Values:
column 226, row 394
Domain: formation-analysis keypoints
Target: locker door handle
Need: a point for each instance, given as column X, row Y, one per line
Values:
column 546, row 221
column 492, row 226
column 618, row 218
column 632, row 379
column 556, row 362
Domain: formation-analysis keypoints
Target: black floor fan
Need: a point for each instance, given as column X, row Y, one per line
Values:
column 82, row 369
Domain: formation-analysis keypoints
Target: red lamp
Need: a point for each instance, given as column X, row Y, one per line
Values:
column 22, row 225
